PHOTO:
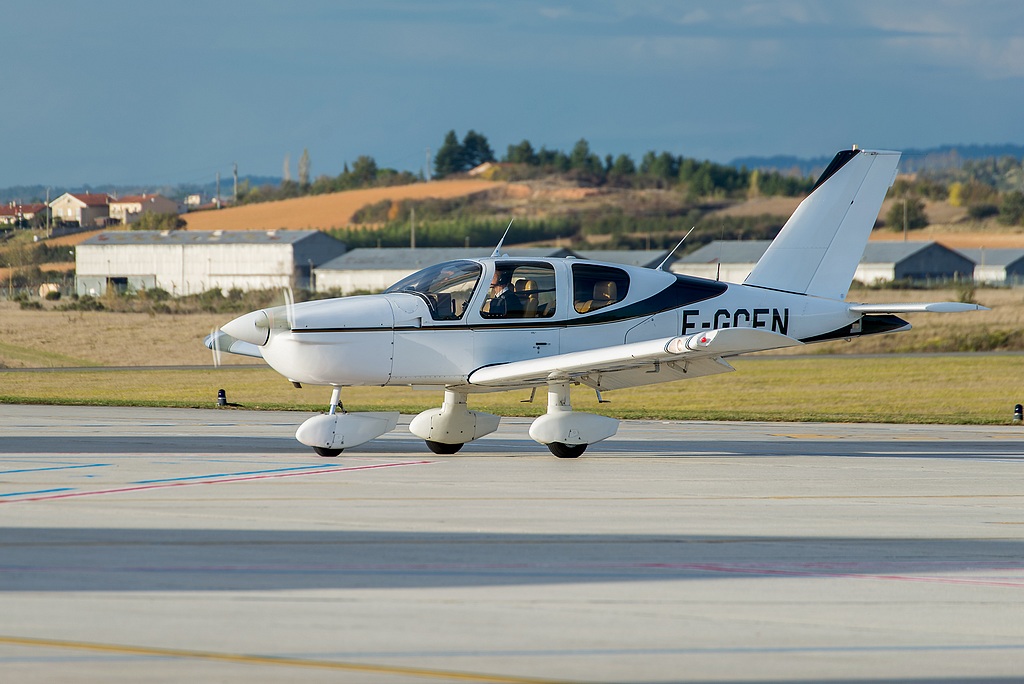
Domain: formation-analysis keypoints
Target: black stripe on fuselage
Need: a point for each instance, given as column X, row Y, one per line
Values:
column 684, row 291
column 872, row 324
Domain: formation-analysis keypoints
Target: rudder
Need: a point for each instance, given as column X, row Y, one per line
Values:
column 817, row 251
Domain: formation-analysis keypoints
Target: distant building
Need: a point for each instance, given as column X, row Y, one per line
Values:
column 189, row 262
column 84, row 209
column 126, row 210
column 997, row 266
column 728, row 260
column 376, row 269
column 882, row 261
column 629, row 257
column 913, row 261
column 15, row 213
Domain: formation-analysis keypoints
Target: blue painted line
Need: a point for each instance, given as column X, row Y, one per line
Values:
column 71, row 467
column 236, row 474
column 39, row 491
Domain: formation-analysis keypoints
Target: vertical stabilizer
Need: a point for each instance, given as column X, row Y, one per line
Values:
column 818, row 249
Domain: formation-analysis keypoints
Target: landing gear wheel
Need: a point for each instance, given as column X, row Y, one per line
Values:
column 567, row 450
column 442, row 448
column 328, row 453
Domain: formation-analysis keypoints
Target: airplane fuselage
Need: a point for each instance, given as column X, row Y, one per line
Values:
column 398, row 338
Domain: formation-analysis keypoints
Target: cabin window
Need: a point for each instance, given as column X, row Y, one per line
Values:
column 595, row 287
column 520, row 290
column 447, row 288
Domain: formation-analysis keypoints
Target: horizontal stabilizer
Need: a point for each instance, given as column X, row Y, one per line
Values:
column 930, row 307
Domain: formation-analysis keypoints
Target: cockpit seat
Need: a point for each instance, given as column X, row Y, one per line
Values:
column 605, row 293
column 528, row 295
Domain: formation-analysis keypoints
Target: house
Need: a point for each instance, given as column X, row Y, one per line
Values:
column 16, row 214
column 84, row 209
column 126, row 210
column 733, row 260
column 997, row 266
column 189, row 262
column 376, row 269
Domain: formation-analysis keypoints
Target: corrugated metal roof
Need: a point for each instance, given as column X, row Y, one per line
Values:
column 993, row 257
column 199, row 237
column 727, row 252
column 891, row 252
column 749, row 251
column 388, row 258
column 627, row 257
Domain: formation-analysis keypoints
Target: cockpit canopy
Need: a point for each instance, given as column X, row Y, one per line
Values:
column 446, row 287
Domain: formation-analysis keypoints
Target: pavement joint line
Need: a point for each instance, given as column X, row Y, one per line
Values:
column 228, row 480
column 254, row 659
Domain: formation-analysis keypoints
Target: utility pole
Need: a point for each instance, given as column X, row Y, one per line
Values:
column 904, row 219
column 427, row 174
column 234, row 196
column 218, row 190
column 412, row 228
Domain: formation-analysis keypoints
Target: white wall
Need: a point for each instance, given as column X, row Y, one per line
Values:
column 190, row 269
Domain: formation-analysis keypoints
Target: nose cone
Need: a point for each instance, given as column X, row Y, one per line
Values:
column 252, row 327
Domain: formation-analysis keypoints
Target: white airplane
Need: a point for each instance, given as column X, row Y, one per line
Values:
column 503, row 323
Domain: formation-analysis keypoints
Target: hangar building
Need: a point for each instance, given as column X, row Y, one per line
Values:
column 883, row 261
column 997, row 266
column 186, row 262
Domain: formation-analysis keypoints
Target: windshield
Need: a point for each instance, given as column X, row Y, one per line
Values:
column 447, row 288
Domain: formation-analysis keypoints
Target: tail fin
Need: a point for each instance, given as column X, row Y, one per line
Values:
column 818, row 249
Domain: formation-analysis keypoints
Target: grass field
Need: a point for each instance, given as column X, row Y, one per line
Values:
column 972, row 389
column 43, row 339
column 919, row 388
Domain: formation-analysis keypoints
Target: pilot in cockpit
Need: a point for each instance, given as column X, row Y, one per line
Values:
column 502, row 301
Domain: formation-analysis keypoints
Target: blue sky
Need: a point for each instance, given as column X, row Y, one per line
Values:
column 167, row 92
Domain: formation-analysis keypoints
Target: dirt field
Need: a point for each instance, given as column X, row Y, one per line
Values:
column 324, row 211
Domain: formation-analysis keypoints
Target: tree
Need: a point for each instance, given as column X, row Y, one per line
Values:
column 161, row 222
column 916, row 218
column 364, row 171
column 475, row 150
column 1011, row 211
column 622, row 169
column 556, row 160
column 304, row 168
column 582, row 160
column 448, row 159
column 522, row 154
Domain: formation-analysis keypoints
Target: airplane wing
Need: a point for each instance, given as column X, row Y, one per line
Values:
column 930, row 307
column 638, row 363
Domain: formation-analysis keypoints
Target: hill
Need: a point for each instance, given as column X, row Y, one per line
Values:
column 333, row 210
column 912, row 161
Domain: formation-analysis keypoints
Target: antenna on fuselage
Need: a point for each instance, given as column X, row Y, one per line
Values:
column 497, row 250
column 669, row 255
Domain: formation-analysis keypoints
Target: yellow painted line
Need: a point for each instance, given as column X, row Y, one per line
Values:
column 247, row 659
column 806, row 436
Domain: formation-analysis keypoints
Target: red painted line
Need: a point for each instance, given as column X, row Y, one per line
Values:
column 226, row 480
